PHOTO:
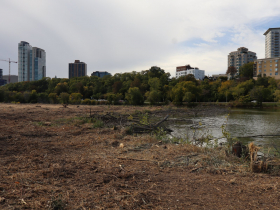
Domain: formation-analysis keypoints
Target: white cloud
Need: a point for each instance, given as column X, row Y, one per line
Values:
column 126, row 35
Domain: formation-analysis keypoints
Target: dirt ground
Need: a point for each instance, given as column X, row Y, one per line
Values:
column 51, row 159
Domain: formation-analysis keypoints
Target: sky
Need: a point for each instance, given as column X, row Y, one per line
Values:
column 120, row 36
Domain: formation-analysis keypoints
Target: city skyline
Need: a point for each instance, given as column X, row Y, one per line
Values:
column 124, row 36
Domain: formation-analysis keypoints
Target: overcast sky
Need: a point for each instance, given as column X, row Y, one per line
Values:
column 132, row 35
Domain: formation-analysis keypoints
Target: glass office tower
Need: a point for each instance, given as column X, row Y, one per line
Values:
column 31, row 62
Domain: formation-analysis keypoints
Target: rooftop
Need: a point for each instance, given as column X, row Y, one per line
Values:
column 269, row 30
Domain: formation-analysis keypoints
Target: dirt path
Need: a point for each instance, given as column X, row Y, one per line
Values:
column 51, row 159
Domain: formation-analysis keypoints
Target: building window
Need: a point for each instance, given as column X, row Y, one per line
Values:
column 276, row 73
column 265, row 70
column 275, row 64
column 260, row 70
column 270, row 73
column 270, row 69
column 270, row 61
column 276, row 69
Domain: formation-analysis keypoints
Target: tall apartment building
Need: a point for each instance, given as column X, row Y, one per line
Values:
column 272, row 43
column 187, row 69
column 240, row 57
column 31, row 62
column 77, row 69
column 268, row 66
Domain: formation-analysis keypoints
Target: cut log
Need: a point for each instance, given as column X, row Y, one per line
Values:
column 149, row 128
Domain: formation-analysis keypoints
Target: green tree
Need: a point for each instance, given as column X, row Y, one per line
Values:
column 2, row 95
column 19, row 97
column 153, row 96
column 181, row 88
column 155, row 71
column 64, row 97
column 61, row 87
column 134, row 96
column 117, row 86
column 33, row 96
column 259, row 93
column 53, row 98
column 262, row 81
column 43, row 98
column 246, row 70
column 75, row 98
column 188, row 97
column 225, row 90
column 276, row 95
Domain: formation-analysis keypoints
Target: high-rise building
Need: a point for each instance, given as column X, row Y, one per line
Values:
column 31, row 62
column 187, row 69
column 2, row 81
column 77, row 69
column 240, row 57
column 268, row 66
column 100, row 73
column 272, row 43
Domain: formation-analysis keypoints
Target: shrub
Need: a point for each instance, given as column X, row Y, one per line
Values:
column 86, row 101
column 19, row 97
column 53, row 98
column 102, row 102
column 64, row 97
column 43, row 98
column 75, row 98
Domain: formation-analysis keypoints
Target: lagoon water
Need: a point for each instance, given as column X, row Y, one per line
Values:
column 244, row 124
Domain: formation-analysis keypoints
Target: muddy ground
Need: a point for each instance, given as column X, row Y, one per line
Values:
column 52, row 158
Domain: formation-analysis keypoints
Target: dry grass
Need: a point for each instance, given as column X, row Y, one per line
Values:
column 75, row 166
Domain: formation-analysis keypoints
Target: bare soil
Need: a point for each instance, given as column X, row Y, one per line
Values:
column 50, row 158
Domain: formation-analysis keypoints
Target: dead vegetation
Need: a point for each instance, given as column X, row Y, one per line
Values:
column 53, row 158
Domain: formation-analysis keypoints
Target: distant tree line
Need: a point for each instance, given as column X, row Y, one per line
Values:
column 153, row 86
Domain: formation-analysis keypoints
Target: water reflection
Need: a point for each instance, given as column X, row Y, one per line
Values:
column 244, row 124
